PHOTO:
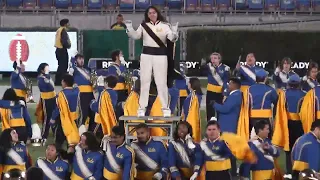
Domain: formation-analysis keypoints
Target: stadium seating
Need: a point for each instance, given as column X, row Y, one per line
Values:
column 171, row 5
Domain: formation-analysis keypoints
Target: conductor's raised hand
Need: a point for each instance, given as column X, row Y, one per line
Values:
column 128, row 24
column 174, row 27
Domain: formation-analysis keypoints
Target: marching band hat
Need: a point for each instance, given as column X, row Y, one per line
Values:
column 261, row 73
column 294, row 79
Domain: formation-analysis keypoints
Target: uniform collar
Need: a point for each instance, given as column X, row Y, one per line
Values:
column 157, row 22
column 183, row 141
column 233, row 91
column 124, row 142
column 52, row 162
column 218, row 65
column 68, row 88
column 214, row 139
column 149, row 140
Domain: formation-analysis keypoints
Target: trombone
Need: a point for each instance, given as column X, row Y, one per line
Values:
column 29, row 91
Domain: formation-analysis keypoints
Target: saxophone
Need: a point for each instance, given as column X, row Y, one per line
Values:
column 29, row 91
column 93, row 78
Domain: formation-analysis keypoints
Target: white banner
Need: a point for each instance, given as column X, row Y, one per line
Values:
column 35, row 47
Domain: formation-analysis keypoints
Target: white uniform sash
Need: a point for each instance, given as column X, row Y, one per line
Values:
column 144, row 157
column 283, row 76
column 15, row 157
column 23, row 80
column 84, row 73
column 251, row 74
column 82, row 165
column 47, row 171
column 113, row 163
column 258, row 145
column 117, row 69
column 182, row 153
column 209, row 153
column 311, row 84
column 46, row 80
column 216, row 76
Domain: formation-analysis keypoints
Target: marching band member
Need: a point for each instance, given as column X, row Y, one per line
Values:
column 14, row 154
column 151, row 155
column 247, row 72
column 282, row 73
column 310, row 110
column 182, row 85
column 16, row 117
column 118, row 69
column 52, row 165
column 87, row 161
column 82, row 78
column 264, row 168
column 306, row 151
column 105, row 108
column 18, row 81
column 65, row 115
column 158, row 46
column 174, row 98
column 47, row 99
column 261, row 98
column 185, row 157
column 218, row 76
column 119, row 159
column 310, row 80
column 288, row 126
column 191, row 107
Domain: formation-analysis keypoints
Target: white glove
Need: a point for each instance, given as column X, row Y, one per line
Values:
column 189, row 142
column 277, row 71
column 18, row 63
column 100, row 81
column 92, row 178
column 21, row 102
column 128, row 23
column 194, row 176
column 122, row 60
column 253, row 133
column 36, row 132
column 157, row 176
column 71, row 71
column 213, row 119
column 74, row 52
column 305, row 78
column 174, row 27
column 82, row 129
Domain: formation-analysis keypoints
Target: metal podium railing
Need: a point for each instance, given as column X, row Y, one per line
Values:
column 168, row 123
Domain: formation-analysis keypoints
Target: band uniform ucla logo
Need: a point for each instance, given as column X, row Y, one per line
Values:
column 151, row 150
column 19, row 149
column 59, row 169
column 90, row 160
column 119, row 155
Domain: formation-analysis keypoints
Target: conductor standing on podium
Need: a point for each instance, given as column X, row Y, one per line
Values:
column 157, row 56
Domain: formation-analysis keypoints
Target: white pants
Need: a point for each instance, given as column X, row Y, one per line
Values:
column 159, row 66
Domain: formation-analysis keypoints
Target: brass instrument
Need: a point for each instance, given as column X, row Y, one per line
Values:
column 93, row 78
column 29, row 91
column 128, row 79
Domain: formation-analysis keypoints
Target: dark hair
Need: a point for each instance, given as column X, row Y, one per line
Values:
column 259, row 79
column 10, row 95
column 236, row 81
column 142, row 126
column 120, row 15
column 213, row 123
column 311, row 66
column 41, row 67
column 294, row 85
column 34, row 173
column 159, row 17
column 6, row 140
column 286, row 59
column 176, row 135
column 91, row 141
column 196, row 85
column 260, row 125
column 111, row 80
column 68, row 79
column 15, row 65
column 117, row 130
column 115, row 54
column 314, row 125
column 64, row 22
column 78, row 56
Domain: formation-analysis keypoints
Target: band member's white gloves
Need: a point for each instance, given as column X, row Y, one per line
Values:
column 18, row 63
column 71, row 71
column 22, row 103
column 277, row 71
column 122, row 60
column 305, row 78
column 174, row 28
column 100, row 81
column 128, row 23
column 82, row 129
column 74, row 52
column 106, row 139
column 36, row 131
column 212, row 69
column 253, row 133
column 194, row 176
column 92, row 178
column 157, row 176
column 189, row 142
column 213, row 119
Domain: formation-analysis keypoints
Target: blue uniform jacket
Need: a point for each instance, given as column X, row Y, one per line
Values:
column 306, row 153
column 152, row 152
column 18, row 80
column 179, row 166
column 309, row 83
column 281, row 79
column 294, row 98
column 114, row 99
column 182, row 86
column 265, row 157
column 317, row 98
column 81, row 75
column 186, row 104
column 229, row 111
column 174, row 97
column 247, row 74
column 117, row 70
column 58, row 167
column 219, row 78
column 45, row 83
column 122, row 155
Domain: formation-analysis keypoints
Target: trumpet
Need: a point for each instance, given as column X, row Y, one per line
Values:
column 29, row 91
column 128, row 78
column 93, row 78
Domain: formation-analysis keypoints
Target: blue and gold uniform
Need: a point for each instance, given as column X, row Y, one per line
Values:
column 184, row 161
column 218, row 77
column 19, row 83
column 119, row 162
column 229, row 111
column 309, row 83
column 102, row 73
column 306, row 154
column 82, row 79
column 57, row 169
column 105, row 108
column 87, row 164
column 66, row 115
column 17, row 157
column 191, row 113
column 264, row 168
column 121, row 87
column 18, row 118
column 182, row 85
column 247, row 75
column 281, row 79
column 46, row 103
column 151, row 157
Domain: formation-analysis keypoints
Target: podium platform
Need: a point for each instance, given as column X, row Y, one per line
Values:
column 168, row 123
